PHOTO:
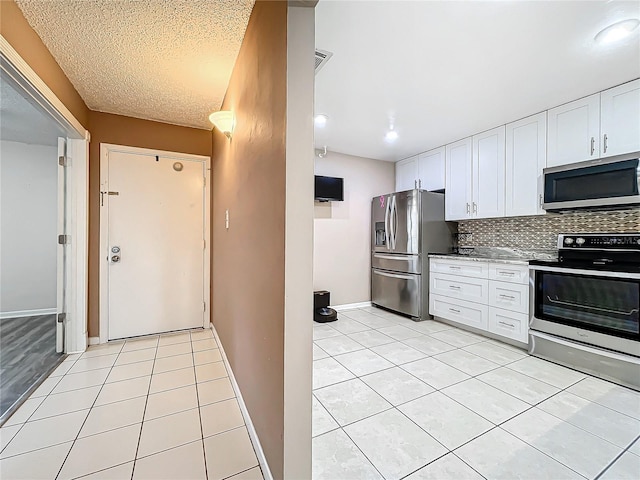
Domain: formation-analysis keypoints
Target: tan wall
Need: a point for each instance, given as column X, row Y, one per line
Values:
column 342, row 230
column 134, row 132
column 248, row 258
column 17, row 31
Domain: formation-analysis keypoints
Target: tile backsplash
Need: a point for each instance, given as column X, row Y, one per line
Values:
column 541, row 232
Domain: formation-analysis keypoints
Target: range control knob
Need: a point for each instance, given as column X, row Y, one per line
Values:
column 580, row 240
column 568, row 241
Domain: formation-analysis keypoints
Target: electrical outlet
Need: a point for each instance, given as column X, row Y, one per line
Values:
column 226, row 219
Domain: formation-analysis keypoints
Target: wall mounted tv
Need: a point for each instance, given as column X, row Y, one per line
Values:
column 329, row 189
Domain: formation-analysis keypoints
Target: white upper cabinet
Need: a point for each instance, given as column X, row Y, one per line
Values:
column 488, row 174
column 431, row 169
column 620, row 119
column 458, row 189
column 526, row 156
column 574, row 132
column 407, row 174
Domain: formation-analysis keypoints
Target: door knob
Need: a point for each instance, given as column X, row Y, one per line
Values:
column 115, row 259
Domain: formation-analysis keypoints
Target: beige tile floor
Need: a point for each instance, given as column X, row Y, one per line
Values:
column 398, row 399
column 158, row 407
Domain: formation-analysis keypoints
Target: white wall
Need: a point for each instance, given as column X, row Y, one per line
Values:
column 28, row 227
column 342, row 235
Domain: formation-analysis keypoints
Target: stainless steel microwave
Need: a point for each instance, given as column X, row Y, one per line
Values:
column 612, row 182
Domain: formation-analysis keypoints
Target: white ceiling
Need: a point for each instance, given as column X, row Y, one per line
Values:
column 22, row 121
column 160, row 60
column 444, row 70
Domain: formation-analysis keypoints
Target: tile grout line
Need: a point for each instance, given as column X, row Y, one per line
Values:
column 144, row 410
column 204, row 451
column 88, row 413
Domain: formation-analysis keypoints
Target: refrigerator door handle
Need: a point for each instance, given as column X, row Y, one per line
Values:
column 392, row 200
column 387, row 237
column 395, row 222
column 395, row 275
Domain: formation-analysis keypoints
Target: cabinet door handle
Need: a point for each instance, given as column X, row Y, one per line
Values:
column 454, row 310
column 475, row 207
column 506, row 274
column 507, row 324
column 593, row 145
column 455, row 287
column 604, row 143
column 419, row 183
column 510, row 297
column 453, row 267
column 468, row 207
column 540, row 200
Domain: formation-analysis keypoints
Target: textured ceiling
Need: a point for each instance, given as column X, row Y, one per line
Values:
column 165, row 60
column 444, row 70
column 22, row 121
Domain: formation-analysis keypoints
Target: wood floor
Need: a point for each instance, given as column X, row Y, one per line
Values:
column 28, row 346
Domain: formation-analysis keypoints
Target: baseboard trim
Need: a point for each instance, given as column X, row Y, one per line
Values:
column 253, row 435
column 28, row 313
column 94, row 340
column 348, row 306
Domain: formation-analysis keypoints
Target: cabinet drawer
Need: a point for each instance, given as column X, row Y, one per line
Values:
column 509, row 273
column 466, row 268
column 457, row 286
column 510, row 296
column 509, row 324
column 461, row 311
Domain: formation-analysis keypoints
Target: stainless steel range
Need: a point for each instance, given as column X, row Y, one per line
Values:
column 585, row 309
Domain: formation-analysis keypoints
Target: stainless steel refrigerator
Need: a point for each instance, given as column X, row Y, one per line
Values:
column 407, row 227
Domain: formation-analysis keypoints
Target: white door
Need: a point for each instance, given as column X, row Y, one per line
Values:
column 458, row 181
column 488, row 174
column 526, row 157
column 406, row 174
column 620, row 119
column 574, row 132
column 431, row 169
column 156, row 232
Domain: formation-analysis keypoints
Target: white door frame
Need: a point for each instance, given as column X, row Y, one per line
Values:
column 105, row 149
column 76, row 278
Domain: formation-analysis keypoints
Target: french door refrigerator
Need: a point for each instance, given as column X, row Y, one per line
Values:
column 406, row 228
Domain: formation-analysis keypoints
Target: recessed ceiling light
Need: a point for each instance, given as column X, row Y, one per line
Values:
column 320, row 120
column 617, row 31
column 391, row 136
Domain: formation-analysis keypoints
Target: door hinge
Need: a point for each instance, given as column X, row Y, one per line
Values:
column 62, row 161
column 62, row 317
column 64, row 239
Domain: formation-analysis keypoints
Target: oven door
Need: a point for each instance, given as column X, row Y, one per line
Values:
column 589, row 306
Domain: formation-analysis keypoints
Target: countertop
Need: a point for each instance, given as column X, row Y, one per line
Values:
column 480, row 258
column 499, row 255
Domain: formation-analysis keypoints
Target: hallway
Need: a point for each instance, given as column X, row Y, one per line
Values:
column 148, row 408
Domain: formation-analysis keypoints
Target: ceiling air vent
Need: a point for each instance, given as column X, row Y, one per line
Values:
column 322, row 57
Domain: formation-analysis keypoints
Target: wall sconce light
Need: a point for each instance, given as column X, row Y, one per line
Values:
column 223, row 121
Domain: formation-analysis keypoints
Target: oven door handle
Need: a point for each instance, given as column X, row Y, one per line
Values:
column 571, row 304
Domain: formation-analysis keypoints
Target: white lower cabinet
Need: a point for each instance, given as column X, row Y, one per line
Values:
column 510, row 296
column 488, row 296
column 509, row 324
column 461, row 311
